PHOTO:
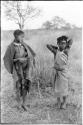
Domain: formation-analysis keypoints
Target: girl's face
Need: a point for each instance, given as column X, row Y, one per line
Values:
column 62, row 45
column 20, row 38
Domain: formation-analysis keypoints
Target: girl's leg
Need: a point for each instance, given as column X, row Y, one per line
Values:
column 26, row 89
column 18, row 97
column 59, row 102
column 24, row 99
column 64, row 99
column 63, row 104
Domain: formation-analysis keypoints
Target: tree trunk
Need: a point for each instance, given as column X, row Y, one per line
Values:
column 21, row 26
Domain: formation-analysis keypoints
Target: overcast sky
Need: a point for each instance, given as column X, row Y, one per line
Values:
column 71, row 11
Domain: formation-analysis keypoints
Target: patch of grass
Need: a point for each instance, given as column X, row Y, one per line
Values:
column 38, row 39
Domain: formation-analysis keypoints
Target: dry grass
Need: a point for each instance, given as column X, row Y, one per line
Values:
column 43, row 110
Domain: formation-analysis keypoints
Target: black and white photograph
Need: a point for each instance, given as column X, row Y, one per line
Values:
column 41, row 62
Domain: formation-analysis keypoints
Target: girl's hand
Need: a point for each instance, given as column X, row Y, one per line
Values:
column 57, row 67
column 22, row 59
column 15, row 60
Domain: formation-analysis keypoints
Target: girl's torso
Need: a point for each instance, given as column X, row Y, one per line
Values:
column 61, row 59
column 19, row 51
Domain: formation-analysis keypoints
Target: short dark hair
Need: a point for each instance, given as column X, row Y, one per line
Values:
column 61, row 38
column 17, row 33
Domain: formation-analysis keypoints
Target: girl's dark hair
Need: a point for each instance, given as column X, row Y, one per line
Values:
column 61, row 38
column 17, row 33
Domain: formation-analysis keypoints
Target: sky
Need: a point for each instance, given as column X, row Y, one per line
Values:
column 71, row 11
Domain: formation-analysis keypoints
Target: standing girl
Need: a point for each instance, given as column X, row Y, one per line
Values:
column 61, row 67
column 17, row 60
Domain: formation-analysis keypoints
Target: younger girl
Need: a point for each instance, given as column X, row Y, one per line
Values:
column 60, row 65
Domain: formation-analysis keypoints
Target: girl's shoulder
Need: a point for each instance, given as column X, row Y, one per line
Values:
column 61, row 54
column 66, row 52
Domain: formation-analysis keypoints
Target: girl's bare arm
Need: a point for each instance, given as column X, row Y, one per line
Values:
column 68, row 46
column 58, row 68
column 52, row 48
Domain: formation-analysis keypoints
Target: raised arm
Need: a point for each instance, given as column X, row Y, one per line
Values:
column 67, row 49
column 52, row 48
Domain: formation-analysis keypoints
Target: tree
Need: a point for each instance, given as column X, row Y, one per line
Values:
column 58, row 22
column 15, row 11
column 68, row 26
column 47, row 25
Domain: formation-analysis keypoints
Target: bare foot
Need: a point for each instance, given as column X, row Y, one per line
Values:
column 59, row 105
column 56, row 105
column 63, row 106
column 18, row 107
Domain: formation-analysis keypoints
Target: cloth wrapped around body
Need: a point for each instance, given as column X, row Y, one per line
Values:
column 14, row 67
column 9, row 58
column 61, row 81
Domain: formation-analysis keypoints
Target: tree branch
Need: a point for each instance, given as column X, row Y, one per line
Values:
column 15, row 12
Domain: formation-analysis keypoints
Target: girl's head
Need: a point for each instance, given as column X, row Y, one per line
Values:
column 61, row 42
column 19, row 35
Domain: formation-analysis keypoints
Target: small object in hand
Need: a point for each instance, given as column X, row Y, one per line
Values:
column 21, row 60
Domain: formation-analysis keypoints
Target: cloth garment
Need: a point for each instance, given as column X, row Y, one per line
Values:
column 9, row 56
column 61, row 79
column 20, row 67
